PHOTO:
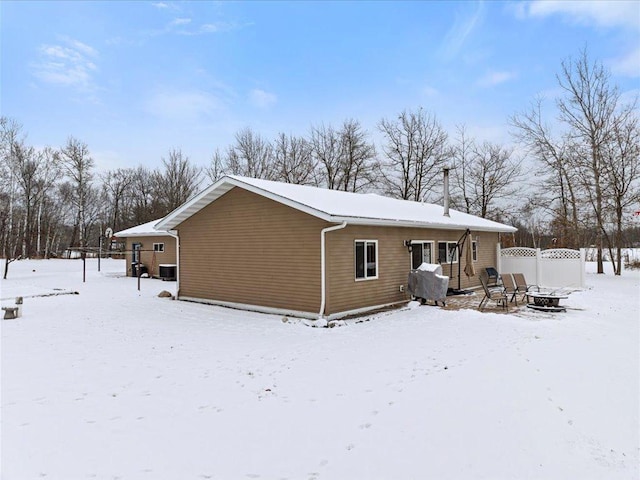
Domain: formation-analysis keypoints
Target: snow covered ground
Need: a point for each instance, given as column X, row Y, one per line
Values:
column 113, row 383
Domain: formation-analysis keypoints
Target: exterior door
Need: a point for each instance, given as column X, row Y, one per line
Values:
column 421, row 252
column 136, row 252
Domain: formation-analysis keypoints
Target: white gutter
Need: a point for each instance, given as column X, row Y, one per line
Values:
column 174, row 234
column 323, row 286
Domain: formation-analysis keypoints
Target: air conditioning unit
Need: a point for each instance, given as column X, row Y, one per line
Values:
column 167, row 271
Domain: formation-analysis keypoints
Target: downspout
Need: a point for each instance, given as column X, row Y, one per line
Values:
column 323, row 286
column 446, row 191
column 174, row 234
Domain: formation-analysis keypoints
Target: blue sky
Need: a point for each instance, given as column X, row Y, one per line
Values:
column 136, row 79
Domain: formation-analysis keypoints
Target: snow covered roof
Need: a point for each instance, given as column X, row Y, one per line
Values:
column 144, row 230
column 337, row 206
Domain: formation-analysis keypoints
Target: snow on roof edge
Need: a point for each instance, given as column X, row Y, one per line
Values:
column 307, row 199
column 143, row 230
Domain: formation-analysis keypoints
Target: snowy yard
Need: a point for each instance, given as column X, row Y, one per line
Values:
column 119, row 384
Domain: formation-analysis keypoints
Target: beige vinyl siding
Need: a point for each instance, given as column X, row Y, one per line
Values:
column 149, row 258
column 345, row 293
column 248, row 249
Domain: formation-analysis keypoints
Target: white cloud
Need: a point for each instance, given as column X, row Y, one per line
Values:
column 261, row 99
column 210, row 28
column 180, row 21
column 166, row 6
column 628, row 65
column 609, row 13
column 495, row 78
column 70, row 63
column 183, row 105
column 186, row 26
column 462, row 28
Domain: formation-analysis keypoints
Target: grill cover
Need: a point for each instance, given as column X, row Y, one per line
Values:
column 428, row 282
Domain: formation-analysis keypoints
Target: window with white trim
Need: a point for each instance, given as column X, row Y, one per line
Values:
column 158, row 247
column 366, row 259
column 448, row 252
column 421, row 252
column 474, row 250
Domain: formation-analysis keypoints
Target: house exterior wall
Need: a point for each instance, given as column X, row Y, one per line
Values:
column 148, row 257
column 248, row 249
column 345, row 293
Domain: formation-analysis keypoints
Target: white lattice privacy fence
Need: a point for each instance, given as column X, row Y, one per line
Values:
column 557, row 267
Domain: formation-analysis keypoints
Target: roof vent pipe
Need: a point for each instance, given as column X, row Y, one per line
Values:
column 446, row 191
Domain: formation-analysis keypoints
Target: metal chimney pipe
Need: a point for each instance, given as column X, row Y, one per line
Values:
column 446, row 191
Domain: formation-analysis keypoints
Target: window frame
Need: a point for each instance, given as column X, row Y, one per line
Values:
column 158, row 247
column 421, row 242
column 366, row 277
column 474, row 250
column 448, row 243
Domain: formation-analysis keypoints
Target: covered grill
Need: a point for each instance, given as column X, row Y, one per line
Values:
column 427, row 283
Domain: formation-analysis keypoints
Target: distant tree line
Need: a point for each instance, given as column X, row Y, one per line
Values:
column 580, row 189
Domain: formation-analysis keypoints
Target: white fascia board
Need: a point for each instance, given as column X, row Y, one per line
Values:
column 194, row 205
column 143, row 234
column 410, row 224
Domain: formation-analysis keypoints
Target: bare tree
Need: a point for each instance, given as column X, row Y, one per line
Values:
column 10, row 137
column 145, row 204
column 178, row 182
column 490, row 175
column 622, row 176
column 293, row 160
column 327, row 151
column 416, row 149
column 462, row 156
column 118, row 187
column 588, row 109
column 217, row 167
column 556, row 178
column 77, row 165
column 250, row 156
column 358, row 160
column 37, row 172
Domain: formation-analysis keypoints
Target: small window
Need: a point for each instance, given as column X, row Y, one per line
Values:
column 448, row 252
column 421, row 252
column 475, row 251
column 158, row 247
column 366, row 257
